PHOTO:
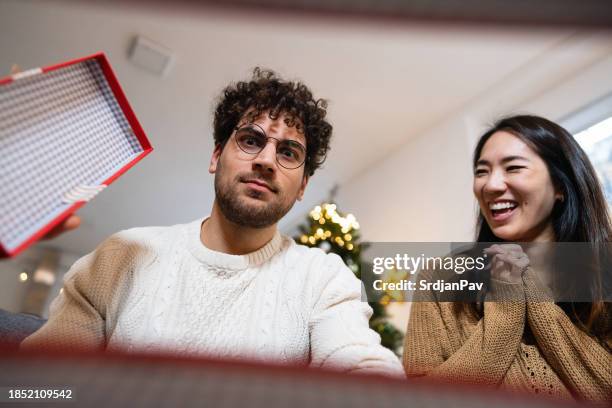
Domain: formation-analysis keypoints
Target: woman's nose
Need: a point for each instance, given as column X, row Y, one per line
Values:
column 495, row 183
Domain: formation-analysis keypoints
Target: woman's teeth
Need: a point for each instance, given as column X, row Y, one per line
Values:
column 501, row 206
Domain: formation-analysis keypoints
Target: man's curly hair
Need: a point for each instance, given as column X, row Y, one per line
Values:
column 267, row 92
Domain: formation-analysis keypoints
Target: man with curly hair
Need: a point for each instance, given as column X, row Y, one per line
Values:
column 230, row 285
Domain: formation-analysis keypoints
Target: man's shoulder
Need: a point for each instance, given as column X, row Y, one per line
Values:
column 150, row 236
column 319, row 270
column 309, row 258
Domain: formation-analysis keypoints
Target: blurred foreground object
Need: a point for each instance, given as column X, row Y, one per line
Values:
column 148, row 381
column 590, row 13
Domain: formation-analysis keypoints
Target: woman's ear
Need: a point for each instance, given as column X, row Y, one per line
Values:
column 559, row 194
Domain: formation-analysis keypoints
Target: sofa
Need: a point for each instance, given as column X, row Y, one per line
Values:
column 14, row 327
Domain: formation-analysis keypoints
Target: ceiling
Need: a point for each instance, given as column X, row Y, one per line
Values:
column 386, row 83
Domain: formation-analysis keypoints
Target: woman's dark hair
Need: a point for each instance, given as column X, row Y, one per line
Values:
column 266, row 92
column 582, row 216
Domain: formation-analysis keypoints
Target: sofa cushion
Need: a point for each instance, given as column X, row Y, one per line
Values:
column 14, row 327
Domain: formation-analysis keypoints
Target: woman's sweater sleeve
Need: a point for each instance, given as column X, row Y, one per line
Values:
column 436, row 347
column 581, row 362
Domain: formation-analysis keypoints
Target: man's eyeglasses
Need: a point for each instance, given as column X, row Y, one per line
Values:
column 252, row 139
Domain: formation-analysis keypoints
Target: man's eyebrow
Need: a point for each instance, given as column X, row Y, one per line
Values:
column 294, row 141
column 296, row 138
column 250, row 126
column 254, row 126
column 503, row 161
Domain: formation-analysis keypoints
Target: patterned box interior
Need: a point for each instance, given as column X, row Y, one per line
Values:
column 58, row 130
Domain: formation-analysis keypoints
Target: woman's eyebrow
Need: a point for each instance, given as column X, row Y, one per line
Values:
column 512, row 158
column 504, row 160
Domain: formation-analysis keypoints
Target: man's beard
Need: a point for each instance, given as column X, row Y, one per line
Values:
column 234, row 208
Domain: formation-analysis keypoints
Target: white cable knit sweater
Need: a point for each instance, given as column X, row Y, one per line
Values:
column 159, row 288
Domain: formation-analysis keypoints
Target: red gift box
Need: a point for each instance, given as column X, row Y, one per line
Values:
column 66, row 132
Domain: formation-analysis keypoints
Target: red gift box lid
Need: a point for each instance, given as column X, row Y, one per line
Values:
column 66, row 132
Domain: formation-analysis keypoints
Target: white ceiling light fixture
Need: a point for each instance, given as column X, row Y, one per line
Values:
column 151, row 56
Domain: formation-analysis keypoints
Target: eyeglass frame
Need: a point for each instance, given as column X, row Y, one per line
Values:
column 237, row 128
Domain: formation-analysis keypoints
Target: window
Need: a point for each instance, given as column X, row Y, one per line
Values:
column 592, row 129
column 597, row 143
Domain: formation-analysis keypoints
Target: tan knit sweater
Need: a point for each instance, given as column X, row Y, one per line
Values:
column 562, row 361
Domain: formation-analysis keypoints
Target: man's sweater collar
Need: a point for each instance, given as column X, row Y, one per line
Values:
column 220, row 261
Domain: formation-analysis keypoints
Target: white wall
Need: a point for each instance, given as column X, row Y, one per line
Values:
column 420, row 193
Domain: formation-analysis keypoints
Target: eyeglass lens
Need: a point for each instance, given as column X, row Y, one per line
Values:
column 289, row 153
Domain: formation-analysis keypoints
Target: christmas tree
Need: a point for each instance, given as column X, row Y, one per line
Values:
column 328, row 229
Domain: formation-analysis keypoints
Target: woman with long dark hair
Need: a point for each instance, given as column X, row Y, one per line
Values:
column 534, row 185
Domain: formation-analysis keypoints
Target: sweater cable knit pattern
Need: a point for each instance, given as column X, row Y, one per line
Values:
column 160, row 289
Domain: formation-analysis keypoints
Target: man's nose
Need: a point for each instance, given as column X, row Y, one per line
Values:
column 265, row 161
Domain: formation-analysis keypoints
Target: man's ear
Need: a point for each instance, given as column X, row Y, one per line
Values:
column 214, row 160
column 302, row 187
